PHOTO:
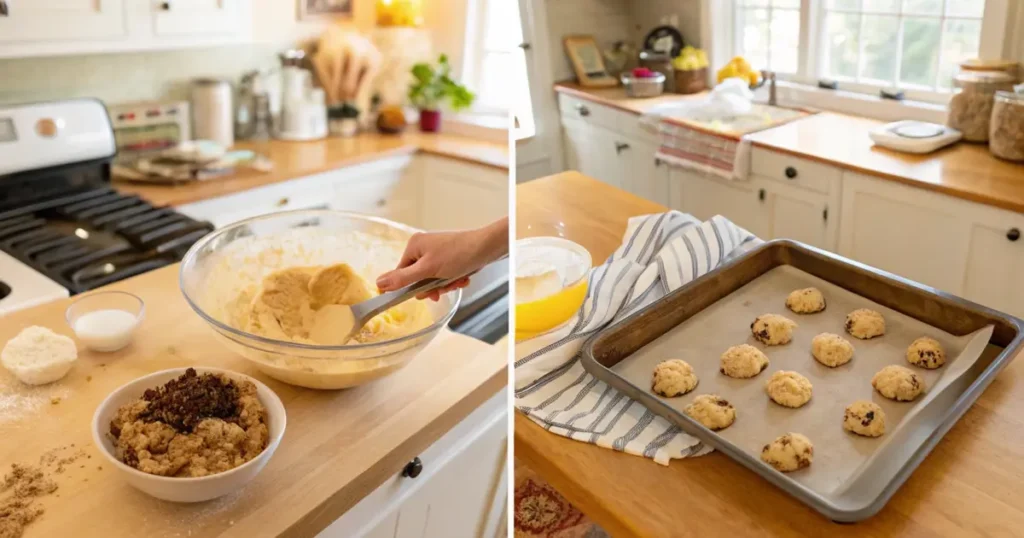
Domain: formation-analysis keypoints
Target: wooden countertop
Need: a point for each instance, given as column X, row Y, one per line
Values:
column 964, row 170
column 293, row 160
column 338, row 447
column 970, row 485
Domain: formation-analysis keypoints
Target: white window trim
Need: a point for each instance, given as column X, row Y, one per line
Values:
column 474, row 53
column 1002, row 31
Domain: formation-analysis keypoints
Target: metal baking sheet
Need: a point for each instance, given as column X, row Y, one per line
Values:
column 851, row 476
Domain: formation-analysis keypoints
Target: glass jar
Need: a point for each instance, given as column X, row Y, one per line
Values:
column 662, row 63
column 970, row 109
column 1006, row 132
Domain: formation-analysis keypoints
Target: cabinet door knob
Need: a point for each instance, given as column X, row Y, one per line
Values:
column 621, row 146
column 657, row 161
column 761, row 195
column 524, row 46
column 1013, row 234
column 413, row 468
column 382, row 202
column 790, row 172
column 824, row 214
column 282, row 202
column 584, row 111
column 3, row 8
column 166, row 6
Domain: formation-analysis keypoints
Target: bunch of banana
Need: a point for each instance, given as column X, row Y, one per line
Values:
column 690, row 59
column 739, row 67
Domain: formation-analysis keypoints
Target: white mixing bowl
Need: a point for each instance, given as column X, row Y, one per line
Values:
column 186, row 490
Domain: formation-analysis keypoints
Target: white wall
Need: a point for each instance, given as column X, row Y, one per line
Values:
column 607, row 20
column 648, row 14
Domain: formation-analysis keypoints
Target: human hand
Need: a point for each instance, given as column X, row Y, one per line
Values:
column 447, row 255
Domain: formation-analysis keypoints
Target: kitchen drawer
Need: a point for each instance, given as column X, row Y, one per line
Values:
column 378, row 509
column 794, row 171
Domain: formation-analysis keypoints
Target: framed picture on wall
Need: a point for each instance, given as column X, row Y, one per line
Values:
column 588, row 62
column 316, row 9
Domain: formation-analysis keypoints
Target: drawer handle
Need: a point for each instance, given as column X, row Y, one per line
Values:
column 1013, row 234
column 621, row 146
column 382, row 202
column 657, row 161
column 761, row 195
column 824, row 214
column 3, row 9
column 790, row 172
column 584, row 111
column 166, row 6
column 282, row 202
column 413, row 468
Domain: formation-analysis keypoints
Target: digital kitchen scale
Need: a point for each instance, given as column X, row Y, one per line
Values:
column 911, row 136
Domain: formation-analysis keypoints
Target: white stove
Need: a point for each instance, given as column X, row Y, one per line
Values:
column 63, row 229
column 23, row 287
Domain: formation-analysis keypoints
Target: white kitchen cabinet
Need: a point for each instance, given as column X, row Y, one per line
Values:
column 644, row 174
column 460, row 492
column 378, row 188
column 705, row 196
column 995, row 261
column 30, row 21
column 595, row 152
column 196, row 17
column 917, row 234
column 459, row 195
column 795, row 213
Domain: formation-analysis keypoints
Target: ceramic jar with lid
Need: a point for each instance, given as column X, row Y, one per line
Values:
column 1006, row 132
column 970, row 109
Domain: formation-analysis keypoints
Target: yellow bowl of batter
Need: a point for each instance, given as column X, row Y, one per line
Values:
column 255, row 282
column 551, row 283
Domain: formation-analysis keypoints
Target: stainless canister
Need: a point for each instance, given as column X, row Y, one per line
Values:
column 212, row 111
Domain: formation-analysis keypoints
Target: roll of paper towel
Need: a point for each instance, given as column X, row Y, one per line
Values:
column 212, row 111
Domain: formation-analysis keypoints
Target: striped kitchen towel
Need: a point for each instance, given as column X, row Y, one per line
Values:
column 659, row 254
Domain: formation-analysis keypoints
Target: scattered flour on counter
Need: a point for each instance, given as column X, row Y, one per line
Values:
column 19, row 401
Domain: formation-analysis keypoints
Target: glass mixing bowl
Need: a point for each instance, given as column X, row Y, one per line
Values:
column 224, row 268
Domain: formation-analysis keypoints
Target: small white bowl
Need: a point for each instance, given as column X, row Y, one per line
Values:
column 106, row 333
column 186, row 490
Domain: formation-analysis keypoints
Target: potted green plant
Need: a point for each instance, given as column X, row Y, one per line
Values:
column 431, row 87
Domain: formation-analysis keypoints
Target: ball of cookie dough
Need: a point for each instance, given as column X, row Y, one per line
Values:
column 926, row 353
column 789, row 452
column 864, row 324
column 806, row 301
column 831, row 350
column 864, row 418
column 743, row 361
column 711, row 410
column 898, row 383
column 772, row 329
column 673, row 378
column 789, row 389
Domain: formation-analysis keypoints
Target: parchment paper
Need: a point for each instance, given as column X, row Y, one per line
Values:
column 701, row 340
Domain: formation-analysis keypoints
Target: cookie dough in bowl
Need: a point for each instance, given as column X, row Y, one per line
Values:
column 772, row 329
column 788, row 389
column 865, row 324
column 189, row 434
column 743, row 361
column 712, row 411
column 275, row 288
column 806, row 301
column 898, row 383
column 864, row 418
column 788, row 452
column 673, row 378
column 831, row 350
column 926, row 353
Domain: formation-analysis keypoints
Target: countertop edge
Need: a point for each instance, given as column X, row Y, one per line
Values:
column 349, row 495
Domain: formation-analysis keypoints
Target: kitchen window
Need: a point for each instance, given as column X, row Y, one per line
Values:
column 496, row 65
column 867, row 45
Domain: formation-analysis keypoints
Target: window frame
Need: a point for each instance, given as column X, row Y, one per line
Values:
column 812, row 34
column 475, row 54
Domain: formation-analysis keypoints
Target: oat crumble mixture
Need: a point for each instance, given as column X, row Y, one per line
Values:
column 193, row 426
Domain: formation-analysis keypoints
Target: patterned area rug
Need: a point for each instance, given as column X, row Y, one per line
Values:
column 541, row 512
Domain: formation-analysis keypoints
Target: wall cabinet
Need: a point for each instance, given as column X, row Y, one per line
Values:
column 61, row 20
column 58, row 27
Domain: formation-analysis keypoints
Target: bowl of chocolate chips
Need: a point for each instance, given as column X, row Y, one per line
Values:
column 189, row 434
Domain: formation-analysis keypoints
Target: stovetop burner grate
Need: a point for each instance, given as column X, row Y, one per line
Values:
column 85, row 239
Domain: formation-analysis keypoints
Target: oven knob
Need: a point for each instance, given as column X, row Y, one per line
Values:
column 48, row 128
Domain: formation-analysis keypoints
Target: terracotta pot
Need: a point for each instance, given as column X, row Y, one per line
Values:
column 430, row 121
